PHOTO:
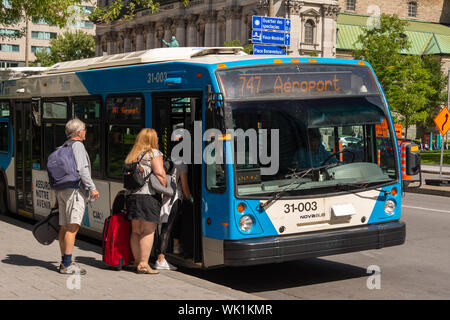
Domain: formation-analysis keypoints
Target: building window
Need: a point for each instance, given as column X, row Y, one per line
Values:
column 309, row 32
column 9, row 47
column 412, row 9
column 43, row 35
column 35, row 49
column 9, row 32
column 350, row 5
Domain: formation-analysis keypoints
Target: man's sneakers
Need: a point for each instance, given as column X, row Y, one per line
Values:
column 164, row 265
column 74, row 268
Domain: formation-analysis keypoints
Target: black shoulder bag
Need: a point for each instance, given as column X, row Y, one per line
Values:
column 133, row 178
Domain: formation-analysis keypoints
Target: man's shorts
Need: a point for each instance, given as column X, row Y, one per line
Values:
column 72, row 204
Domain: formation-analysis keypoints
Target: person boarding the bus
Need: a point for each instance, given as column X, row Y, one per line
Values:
column 72, row 201
column 316, row 155
column 144, row 205
column 172, row 211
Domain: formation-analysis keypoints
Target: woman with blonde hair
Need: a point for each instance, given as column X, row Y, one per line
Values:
column 144, row 205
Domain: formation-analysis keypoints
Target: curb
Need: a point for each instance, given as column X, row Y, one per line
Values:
column 433, row 192
column 436, row 172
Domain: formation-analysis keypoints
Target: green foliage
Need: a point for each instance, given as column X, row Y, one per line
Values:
column 124, row 10
column 408, row 81
column 55, row 12
column 67, row 47
column 248, row 48
column 438, row 82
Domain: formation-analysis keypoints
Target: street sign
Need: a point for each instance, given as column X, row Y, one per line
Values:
column 271, row 24
column 271, row 37
column 442, row 121
column 275, row 50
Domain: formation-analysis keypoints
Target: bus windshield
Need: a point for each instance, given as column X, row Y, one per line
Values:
column 324, row 145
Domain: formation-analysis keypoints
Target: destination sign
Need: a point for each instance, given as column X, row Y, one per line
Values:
column 276, row 81
column 262, row 49
column 271, row 37
column 129, row 108
column 271, row 23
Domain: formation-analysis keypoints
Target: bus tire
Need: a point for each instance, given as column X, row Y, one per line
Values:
column 3, row 208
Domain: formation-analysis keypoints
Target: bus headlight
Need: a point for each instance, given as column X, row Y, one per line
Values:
column 245, row 223
column 389, row 207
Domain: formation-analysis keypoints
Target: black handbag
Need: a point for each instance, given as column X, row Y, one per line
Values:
column 133, row 178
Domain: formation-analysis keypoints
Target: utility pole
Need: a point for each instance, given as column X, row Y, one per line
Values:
column 271, row 8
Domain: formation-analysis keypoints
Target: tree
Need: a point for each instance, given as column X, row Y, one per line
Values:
column 248, row 48
column 124, row 10
column 438, row 81
column 68, row 46
column 409, row 94
column 405, row 81
column 55, row 12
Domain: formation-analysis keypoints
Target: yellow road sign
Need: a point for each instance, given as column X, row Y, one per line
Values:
column 442, row 121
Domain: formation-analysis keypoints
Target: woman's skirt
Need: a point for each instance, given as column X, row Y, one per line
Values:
column 144, row 207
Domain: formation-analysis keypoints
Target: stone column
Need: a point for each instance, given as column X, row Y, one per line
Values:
column 233, row 15
column 210, row 25
column 191, row 35
column 329, row 30
column 98, row 45
column 167, row 25
column 139, row 30
column 159, row 36
column 220, row 30
column 180, row 30
column 201, row 41
column 111, row 45
column 293, row 10
column 127, row 33
column 149, row 35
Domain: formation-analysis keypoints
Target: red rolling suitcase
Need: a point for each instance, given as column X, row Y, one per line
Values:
column 116, row 241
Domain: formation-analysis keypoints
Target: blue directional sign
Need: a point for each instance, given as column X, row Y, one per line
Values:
column 259, row 49
column 271, row 23
column 271, row 37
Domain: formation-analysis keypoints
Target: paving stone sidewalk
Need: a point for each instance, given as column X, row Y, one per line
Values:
column 28, row 270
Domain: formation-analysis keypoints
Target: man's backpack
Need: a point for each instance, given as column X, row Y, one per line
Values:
column 133, row 179
column 62, row 168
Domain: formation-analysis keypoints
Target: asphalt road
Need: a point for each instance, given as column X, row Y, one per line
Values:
column 419, row 269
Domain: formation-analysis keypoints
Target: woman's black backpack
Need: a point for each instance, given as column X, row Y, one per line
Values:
column 133, row 178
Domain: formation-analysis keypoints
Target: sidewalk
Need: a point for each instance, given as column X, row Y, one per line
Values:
column 28, row 270
column 432, row 172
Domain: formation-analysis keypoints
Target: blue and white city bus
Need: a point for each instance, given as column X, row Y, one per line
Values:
column 305, row 196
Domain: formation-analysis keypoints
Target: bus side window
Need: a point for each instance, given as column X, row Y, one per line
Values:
column 88, row 111
column 125, row 118
column 4, row 137
column 215, row 170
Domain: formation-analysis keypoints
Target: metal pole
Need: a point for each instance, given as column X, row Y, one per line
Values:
column 442, row 137
column 271, row 8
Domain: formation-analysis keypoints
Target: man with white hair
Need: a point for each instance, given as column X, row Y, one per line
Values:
column 72, row 201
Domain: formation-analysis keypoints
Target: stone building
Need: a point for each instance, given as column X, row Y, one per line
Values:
column 212, row 22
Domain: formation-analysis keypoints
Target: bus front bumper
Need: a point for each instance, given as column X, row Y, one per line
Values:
column 300, row 246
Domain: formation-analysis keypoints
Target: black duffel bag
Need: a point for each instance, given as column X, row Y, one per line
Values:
column 46, row 231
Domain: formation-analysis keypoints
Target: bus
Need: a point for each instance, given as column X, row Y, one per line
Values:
column 296, row 191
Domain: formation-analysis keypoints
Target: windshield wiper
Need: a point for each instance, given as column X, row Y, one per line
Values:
column 342, row 186
column 296, row 175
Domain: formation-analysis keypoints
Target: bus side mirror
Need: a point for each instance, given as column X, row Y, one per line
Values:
column 412, row 159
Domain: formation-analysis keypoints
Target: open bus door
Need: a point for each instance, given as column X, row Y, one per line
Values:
column 174, row 111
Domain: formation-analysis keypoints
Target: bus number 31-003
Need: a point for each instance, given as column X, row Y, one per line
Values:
column 300, row 207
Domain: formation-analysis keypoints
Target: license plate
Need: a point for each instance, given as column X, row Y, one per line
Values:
column 306, row 212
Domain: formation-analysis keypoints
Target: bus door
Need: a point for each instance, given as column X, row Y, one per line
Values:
column 23, row 156
column 173, row 111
